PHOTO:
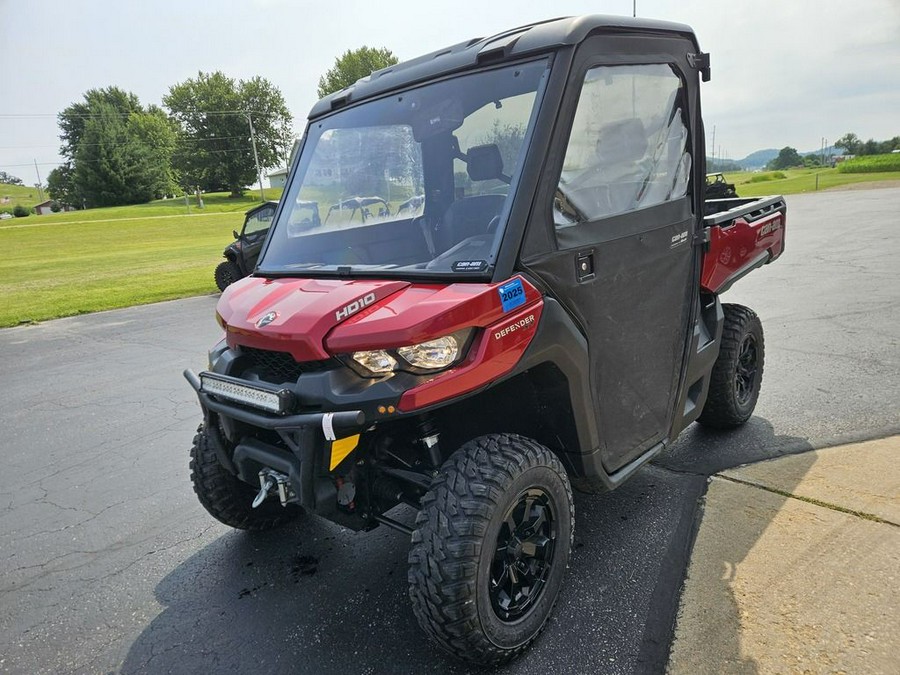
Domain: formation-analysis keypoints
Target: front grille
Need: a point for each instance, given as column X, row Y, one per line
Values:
column 277, row 367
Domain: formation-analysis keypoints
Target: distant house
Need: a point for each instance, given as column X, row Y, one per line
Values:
column 46, row 207
column 277, row 179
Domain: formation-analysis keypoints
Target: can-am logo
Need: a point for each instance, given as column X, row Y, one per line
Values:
column 360, row 303
column 769, row 228
column 267, row 319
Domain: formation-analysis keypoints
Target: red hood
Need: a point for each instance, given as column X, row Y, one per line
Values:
column 305, row 311
column 350, row 315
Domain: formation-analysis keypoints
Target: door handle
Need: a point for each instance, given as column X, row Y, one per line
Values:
column 584, row 265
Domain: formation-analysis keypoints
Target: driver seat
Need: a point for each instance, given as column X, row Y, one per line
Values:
column 471, row 216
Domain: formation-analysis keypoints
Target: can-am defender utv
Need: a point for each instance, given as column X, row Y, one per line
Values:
column 551, row 316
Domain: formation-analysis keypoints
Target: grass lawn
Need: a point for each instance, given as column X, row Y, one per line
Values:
column 52, row 268
column 86, row 261
column 214, row 202
column 750, row 184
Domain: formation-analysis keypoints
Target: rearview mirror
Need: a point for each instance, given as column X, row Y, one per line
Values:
column 235, row 233
column 441, row 117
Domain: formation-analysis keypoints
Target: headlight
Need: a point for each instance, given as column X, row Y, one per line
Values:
column 431, row 355
column 376, row 361
column 426, row 357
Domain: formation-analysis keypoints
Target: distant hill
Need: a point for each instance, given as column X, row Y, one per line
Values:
column 18, row 194
column 829, row 150
column 758, row 159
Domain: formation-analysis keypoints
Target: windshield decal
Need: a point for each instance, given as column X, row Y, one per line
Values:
column 470, row 266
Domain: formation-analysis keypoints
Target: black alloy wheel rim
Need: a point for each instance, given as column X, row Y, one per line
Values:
column 523, row 557
column 747, row 368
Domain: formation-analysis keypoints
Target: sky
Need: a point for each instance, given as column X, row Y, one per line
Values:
column 785, row 72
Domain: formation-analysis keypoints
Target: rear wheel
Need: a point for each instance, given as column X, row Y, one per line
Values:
column 490, row 547
column 737, row 374
column 227, row 498
column 227, row 272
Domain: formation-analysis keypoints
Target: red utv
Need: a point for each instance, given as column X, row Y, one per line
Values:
column 549, row 317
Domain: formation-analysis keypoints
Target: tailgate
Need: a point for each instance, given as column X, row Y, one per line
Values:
column 743, row 234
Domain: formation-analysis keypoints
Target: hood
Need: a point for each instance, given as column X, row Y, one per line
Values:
column 313, row 319
column 295, row 315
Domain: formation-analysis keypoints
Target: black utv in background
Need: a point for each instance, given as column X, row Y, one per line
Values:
column 242, row 254
column 719, row 188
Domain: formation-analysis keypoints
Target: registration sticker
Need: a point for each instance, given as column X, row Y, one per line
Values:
column 512, row 294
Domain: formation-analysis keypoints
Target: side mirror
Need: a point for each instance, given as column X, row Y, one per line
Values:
column 236, row 235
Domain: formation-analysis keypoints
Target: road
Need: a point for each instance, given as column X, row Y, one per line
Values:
column 108, row 563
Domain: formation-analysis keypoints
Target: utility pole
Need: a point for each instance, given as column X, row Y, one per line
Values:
column 634, row 8
column 40, row 189
column 714, row 144
column 262, row 194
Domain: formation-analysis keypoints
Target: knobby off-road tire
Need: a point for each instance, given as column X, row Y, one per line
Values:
column 500, row 502
column 227, row 272
column 229, row 499
column 737, row 374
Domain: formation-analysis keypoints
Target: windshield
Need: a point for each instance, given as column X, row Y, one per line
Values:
column 412, row 183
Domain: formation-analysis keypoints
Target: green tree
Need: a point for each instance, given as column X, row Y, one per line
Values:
column 72, row 120
column 61, row 185
column 812, row 161
column 849, row 143
column 787, row 157
column 353, row 65
column 7, row 179
column 116, row 151
column 156, row 132
column 870, row 147
column 214, row 114
column 113, row 165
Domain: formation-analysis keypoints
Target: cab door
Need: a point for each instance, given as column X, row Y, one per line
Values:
column 620, row 208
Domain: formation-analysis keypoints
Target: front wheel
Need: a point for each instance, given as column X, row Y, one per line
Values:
column 490, row 548
column 737, row 374
column 227, row 272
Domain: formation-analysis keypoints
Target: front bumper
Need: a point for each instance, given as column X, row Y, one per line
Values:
column 306, row 437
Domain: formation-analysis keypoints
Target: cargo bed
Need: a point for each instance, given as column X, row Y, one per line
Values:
column 742, row 234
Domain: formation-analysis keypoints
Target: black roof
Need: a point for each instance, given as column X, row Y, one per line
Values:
column 531, row 39
column 260, row 207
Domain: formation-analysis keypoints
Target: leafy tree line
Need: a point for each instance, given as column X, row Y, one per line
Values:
column 850, row 143
column 118, row 151
column 7, row 179
column 854, row 145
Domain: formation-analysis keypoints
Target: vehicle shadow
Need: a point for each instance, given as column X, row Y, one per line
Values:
column 314, row 598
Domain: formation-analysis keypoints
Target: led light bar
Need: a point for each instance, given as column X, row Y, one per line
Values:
column 257, row 397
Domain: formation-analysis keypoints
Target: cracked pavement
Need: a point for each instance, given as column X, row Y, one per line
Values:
column 109, row 564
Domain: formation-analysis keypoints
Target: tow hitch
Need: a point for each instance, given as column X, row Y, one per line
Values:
column 269, row 481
